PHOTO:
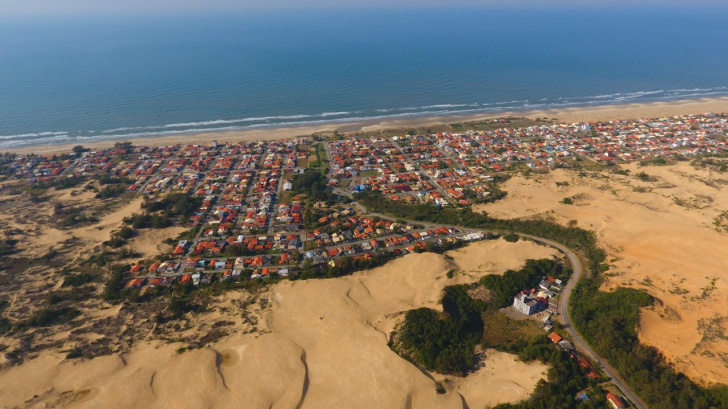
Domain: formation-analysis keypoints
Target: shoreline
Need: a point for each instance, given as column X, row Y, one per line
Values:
column 589, row 113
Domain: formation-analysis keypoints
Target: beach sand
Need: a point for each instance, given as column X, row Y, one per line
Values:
column 563, row 115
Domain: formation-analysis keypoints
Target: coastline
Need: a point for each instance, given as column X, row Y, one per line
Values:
column 564, row 115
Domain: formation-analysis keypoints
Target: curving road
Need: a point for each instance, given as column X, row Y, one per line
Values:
column 575, row 337
column 564, row 310
column 563, row 307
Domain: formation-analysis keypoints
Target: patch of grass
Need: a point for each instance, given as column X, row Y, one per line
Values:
column 502, row 332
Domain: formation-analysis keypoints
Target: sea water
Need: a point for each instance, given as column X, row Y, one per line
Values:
column 79, row 79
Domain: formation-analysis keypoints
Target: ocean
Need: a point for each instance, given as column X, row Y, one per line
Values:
column 81, row 79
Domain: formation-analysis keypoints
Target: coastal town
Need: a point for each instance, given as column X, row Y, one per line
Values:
column 267, row 210
column 252, row 218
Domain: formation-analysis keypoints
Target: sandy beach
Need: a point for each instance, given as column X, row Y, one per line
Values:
column 563, row 115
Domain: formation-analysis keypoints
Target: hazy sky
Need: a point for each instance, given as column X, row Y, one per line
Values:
column 53, row 7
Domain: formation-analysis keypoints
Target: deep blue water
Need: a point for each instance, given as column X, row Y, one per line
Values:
column 82, row 79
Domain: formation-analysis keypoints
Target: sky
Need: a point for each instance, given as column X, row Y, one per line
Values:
column 10, row 8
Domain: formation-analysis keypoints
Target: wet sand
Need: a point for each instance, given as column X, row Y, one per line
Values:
column 563, row 115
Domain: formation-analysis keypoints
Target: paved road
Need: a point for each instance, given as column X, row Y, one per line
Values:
column 564, row 310
column 575, row 337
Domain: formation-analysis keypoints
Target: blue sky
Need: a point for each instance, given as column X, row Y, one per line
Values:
column 72, row 7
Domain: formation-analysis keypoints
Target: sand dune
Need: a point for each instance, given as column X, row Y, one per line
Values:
column 660, row 237
column 324, row 345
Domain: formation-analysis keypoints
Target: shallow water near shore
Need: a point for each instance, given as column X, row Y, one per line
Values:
column 89, row 79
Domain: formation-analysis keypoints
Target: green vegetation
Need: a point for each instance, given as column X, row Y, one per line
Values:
column 174, row 204
column 642, row 367
column 505, row 286
column 573, row 237
column 609, row 321
column 345, row 265
column 311, row 183
column 5, row 324
column 506, row 334
column 71, row 216
column 160, row 212
column 146, row 220
column 60, row 183
column 654, row 162
column 126, row 146
column 7, row 243
column 511, row 237
column 110, row 191
column 48, row 316
column 115, row 283
column 443, row 342
column 77, row 280
column 645, row 177
column 113, row 186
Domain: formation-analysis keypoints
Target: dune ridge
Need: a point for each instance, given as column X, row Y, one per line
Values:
column 324, row 346
column 660, row 237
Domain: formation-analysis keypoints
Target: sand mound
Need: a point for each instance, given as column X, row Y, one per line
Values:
column 660, row 237
column 495, row 257
column 150, row 242
column 325, row 346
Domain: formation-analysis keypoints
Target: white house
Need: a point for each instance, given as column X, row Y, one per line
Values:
column 525, row 304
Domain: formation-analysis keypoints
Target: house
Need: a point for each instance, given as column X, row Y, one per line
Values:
column 615, row 401
column 192, row 262
column 525, row 304
column 137, row 282
column 566, row 345
column 555, row 338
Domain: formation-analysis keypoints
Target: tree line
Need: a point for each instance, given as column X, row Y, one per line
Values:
column 608, row 320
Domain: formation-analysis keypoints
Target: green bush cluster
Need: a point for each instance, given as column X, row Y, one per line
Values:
column 608, row 320
column 444, row 342
column 505, row 286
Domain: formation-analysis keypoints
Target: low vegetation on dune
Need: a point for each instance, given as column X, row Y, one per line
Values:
column 608, row 320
